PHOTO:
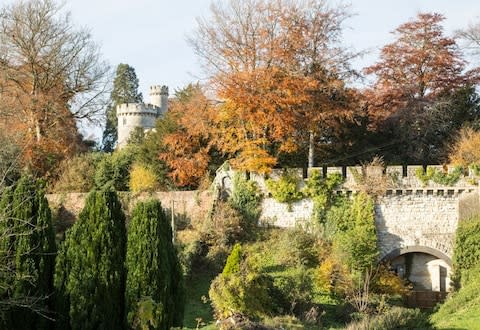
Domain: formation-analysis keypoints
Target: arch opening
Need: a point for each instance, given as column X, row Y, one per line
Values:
column 427, row 269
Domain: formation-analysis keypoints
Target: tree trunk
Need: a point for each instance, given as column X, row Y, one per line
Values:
column 311, row 151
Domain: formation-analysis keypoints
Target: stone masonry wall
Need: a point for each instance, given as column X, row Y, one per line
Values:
column 188, row 206
column 411, row 213
column 416, row 220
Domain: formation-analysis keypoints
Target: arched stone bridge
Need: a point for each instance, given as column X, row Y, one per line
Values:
column 416, row 223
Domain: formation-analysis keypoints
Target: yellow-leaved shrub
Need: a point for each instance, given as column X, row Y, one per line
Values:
column 142, row 178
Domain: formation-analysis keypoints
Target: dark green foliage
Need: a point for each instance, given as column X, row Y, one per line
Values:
column 246, row 199
column 466, row 252
column 114, row 170
column 27, row 251
column 125, row 90
column 89, row 274
column 153, row 269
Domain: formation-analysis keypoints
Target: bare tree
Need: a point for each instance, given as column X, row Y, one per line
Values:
column 51, row 76
column 471, row 36
column 46, row 65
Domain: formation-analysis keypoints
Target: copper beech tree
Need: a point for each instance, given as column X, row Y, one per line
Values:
column 50, row 77
column 264, row 60
column 415, row 80
column 186, row 147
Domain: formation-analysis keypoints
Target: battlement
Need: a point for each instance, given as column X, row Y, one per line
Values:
column 139, row 109
column 159, row 90
column 399, row 180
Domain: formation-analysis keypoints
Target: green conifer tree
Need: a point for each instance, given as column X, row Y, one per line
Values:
column 89, row 274
column 153, row 269
column 125, row 90
column 27, row 249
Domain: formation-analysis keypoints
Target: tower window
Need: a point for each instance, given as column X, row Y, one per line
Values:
column 124, row 121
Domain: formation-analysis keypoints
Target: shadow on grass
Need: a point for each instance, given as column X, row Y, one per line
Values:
column 197, row 307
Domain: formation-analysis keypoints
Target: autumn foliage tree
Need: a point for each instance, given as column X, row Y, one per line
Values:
column 414, row 78
column 186, row 145
column 50, row 76
column 266, row 60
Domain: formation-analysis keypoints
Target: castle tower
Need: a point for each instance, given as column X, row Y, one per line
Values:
column 133, row 115
column 159, row 98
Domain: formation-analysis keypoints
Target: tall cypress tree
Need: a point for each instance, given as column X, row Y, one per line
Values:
column 125, row 90
column 27, row 245
column 153, row 269
column 89, row 275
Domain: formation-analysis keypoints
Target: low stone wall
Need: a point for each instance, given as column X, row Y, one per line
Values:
column 281, row 215
column 188, row 206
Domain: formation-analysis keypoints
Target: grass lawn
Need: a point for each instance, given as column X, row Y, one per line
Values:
column 197, row 287
column 462, row 309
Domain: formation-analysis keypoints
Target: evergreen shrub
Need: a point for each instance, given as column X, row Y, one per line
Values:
column 89, row 273
column 27, row 256
column 153, row 270
column 466, row 253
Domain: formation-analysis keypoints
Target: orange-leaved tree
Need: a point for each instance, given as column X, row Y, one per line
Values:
column 263, row 58
column 50, row 76
column 186, row 146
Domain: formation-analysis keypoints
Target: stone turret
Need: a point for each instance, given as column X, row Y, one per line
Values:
column 132, row 115
column 159, row 98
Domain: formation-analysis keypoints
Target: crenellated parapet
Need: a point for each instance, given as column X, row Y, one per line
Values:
column 399, row 180
column 132, row 116
column 137, row 109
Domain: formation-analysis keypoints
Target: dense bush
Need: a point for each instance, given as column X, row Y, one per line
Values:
column 78, row 173
column 246, row 199
column 89, row 273
column 285, row 189
column 320, row 190
column 153, row 269
column 466, row 252
column 142, row 178
column 356, row 239
column 297, row 247
column 393, row 318
column 27, row 256
column 225, row 227
column 114, row 169
column 240, row 289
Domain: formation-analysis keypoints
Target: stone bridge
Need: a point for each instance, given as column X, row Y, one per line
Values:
column 415, row 222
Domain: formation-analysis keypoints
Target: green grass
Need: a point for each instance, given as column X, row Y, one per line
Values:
column 197, row 308
column 462, row 309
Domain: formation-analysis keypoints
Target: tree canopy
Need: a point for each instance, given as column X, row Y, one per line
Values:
column 51, row 75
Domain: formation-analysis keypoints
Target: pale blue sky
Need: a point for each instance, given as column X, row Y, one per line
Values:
column 150, row 35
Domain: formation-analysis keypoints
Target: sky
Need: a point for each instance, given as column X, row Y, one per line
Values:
column 150, row 35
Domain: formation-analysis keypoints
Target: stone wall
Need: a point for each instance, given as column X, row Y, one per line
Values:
column 416, row 220
column 188, row 206
column 282, row 215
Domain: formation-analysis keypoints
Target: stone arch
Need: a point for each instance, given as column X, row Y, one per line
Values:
column 417, row 248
